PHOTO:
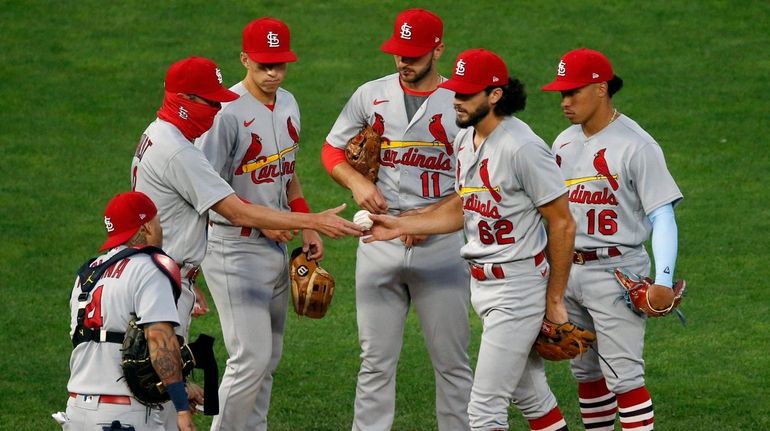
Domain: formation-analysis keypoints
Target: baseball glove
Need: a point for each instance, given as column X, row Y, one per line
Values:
column 362, row 152
column 138, row 371
column 311, row 286
column 566, row 341
column 635, row 291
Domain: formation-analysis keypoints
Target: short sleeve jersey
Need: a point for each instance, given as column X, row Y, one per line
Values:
column 501, row 184
column 615, row 178
column 132, row 285
column 417, row 166
column 254, row 148
column 182, row 184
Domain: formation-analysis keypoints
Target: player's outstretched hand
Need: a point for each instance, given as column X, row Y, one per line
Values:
column 330, row 224
column 385, row 227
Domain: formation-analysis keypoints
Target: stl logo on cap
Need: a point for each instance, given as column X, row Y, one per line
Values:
column 219, row 75
column 406, row 31
column 460, row 69
column 272, row 40
column 562, row 69
column 108, row 224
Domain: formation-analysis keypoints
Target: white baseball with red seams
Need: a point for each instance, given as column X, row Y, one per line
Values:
column 361, row 218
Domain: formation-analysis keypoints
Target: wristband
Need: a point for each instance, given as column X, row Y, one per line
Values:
column 299, row 205
column 176, row 391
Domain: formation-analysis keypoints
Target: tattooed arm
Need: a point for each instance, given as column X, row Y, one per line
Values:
column 167, row 361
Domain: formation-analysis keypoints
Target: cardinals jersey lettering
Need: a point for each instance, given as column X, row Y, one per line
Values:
column 136, row 286
column 615, row 178
column 254, row 148
column 182, row 184
column 417, row 166
column 501, row 185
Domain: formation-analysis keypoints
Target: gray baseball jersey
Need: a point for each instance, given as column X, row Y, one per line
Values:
column 417, row 169
column 253, row 147
column 182, row 184
column 502, row 184
column 133, row 285
column 616, row 177
column 417, row 166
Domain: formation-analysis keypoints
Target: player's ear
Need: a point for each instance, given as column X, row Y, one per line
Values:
column 245, row 60
column 603, row 89
column 495, row 95
column 437, row 51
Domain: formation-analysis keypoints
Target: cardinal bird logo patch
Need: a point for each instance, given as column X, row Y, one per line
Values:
column 436, row 129
column 484, row 174
column 379, row 124
column 600, row 164
column 292, row 131
column 251, row 155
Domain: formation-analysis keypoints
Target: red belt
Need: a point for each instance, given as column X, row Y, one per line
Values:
column 477, row 271
column 192, row 272
column 107, row 399
column 581, row 257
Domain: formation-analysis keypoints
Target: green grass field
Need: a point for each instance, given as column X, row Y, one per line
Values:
column 81, row 80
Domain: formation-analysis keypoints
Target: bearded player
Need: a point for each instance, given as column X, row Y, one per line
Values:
column 417, row 122
column 507, row 186
column 619, row 191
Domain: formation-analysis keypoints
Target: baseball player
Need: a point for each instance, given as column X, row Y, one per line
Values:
column 253, row 146
column 507, row 184
column 133, row 287
column 180, row 180
column 417, row 121
column 619, row 190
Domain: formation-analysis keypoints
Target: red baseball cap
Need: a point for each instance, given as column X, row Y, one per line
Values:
column 579, row 68
column 124, row 215
column 475, row 70
column 199, row 76
column 416, row 33
column 267, row 41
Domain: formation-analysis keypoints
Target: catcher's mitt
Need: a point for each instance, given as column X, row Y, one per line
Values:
column 311, row 286
column 363, row 152
column 565, row 341
column 636, row 292
column 138, row 371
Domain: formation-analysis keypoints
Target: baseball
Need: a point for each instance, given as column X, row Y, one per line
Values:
column 362, row 219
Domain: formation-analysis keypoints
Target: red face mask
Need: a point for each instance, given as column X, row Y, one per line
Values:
column 191, row 118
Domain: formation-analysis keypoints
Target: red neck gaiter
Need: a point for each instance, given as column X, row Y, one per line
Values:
column 191, row 118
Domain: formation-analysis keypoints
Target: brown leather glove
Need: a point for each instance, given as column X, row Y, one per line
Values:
column 362, row 152
column 311, row 286
column 565, row 341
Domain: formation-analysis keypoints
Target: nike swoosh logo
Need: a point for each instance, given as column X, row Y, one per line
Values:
column 377, row 102
column 544, row 272
column 248, row 123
